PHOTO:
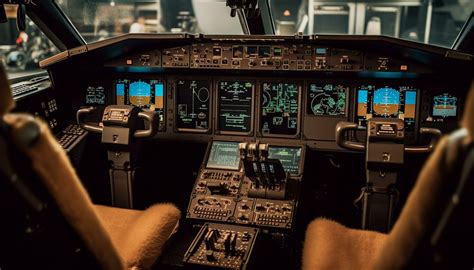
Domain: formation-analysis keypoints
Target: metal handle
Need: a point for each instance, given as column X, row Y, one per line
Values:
column 341, row 129
column 151, row 118
column 434, row 133
column 81, row 113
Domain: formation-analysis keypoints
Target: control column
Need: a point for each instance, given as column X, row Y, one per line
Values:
column 385, row 150
column 122, row 127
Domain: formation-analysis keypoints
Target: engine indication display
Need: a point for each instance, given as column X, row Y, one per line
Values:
column 280, row 107
column 224, row 155
column 145, row 94
column 445, row 105
column 235, row 106
column 193, row 103
column 95, row 95
column 327, row 99
column 387, row 102
column 289, row 157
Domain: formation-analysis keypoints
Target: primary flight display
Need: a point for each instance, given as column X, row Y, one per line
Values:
column 145, row 94
column 387, row 102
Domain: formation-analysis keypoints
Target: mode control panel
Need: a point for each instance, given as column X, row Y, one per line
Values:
column 176, row 57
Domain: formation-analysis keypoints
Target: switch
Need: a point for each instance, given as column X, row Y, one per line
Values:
column 246, row 237
column 243, row 217
column 344, row 59
column 227, row 244
column 210, row 256
column 260, row 207
column 233, row 242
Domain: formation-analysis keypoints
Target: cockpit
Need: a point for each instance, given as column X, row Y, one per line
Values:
column 237, row 134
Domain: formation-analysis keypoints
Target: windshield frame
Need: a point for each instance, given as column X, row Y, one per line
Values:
column 61, row 31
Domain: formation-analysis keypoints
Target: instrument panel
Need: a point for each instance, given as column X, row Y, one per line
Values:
column 271, row 88
column 303, row 109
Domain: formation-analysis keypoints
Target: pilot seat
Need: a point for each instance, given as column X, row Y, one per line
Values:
column 58, row 226
column 434, row 229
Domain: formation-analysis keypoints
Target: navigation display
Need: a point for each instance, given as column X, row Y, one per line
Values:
column 445, row 105
column 327, row 99
column 224, row 155
column 145, row 94
column 280, row 104
column 235, row 106
column 387, row 102
column 95, row 95
column 288, row 156
column 193, row 102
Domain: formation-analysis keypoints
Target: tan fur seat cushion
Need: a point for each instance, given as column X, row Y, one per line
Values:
column 139, row 236
column 114, row 235
column 330, row 245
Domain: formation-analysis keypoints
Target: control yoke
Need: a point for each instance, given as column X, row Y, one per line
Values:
column 343, row 128
column 121, row 124
column 120, row 115
column 384, row 157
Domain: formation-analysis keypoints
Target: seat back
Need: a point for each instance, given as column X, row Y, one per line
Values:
column 439, row 207
column 48, row 221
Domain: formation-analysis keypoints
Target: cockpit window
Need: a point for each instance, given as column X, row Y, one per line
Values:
column 428, row 21
column 21, row 51
column 436, row 22
column 99, row 19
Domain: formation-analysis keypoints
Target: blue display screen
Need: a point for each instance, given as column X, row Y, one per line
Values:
column 445, row 105
column 120, row 88
column 387, row 102
column 159, row 90
column 139, row 89
column 142, row 93
column 387, row 96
